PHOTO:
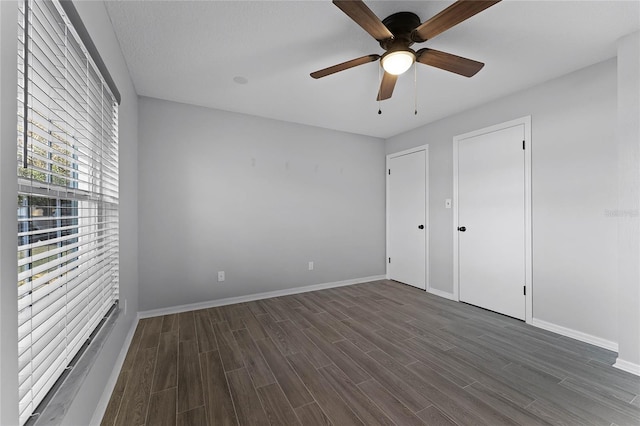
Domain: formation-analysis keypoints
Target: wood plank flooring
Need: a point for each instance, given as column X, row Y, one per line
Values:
column 379, row 353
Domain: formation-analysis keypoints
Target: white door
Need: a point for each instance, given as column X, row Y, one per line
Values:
column 491, row 221
column 407, row 227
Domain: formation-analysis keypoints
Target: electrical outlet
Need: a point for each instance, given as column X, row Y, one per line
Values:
column 447, row 203
column 311, row 266
column 220, row 276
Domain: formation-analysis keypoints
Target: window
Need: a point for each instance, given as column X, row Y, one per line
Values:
column 67, row 195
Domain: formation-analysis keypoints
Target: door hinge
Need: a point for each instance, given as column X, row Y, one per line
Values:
column 522, row 144
column 389, row 172
column 389, row 260
column 524, row 288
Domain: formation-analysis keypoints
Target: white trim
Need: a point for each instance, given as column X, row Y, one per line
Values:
column 528, row 221
column 427, row 223
column 427, row 269
column 442, row 293
column 256, row 296
column 627, row 366
column 526, row 122
column 575, row 334
column 456, row 267
column 103, row 402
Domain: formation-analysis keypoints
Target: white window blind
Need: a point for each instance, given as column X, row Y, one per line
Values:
column 67, row 198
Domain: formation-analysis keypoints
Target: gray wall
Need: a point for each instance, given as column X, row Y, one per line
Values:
column 255, row 198
column 8, row 215
column 82, row 407
column 574, row 186
column 629, row 200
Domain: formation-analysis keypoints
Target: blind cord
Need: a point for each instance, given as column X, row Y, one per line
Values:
column 25, row 94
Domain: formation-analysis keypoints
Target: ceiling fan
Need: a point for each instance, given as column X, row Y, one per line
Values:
column 398, row 32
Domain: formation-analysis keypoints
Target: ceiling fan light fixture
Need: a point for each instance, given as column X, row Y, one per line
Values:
column 398, row 61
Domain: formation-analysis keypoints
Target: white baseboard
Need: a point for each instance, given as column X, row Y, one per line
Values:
column 442, row 294
column 574, row 334
column 251, row 297
column 627, row 366
column 101, row 406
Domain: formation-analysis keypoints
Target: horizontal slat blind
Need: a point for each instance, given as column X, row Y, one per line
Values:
column 67, row 198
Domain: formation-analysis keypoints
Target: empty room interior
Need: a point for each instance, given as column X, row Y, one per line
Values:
column 317, row 212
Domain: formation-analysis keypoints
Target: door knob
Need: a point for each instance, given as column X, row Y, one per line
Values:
column 420, row 226
column 462, row 228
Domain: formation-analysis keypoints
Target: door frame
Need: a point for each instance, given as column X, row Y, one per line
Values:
column 427, row 270
column 528, row 247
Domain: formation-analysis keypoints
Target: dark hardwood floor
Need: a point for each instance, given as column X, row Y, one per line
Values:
column 379, row 353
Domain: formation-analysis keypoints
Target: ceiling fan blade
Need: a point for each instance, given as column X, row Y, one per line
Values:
column 363, row 16
column 386, row 86
column 448, row 62
column 451, row 16
column 345, row 66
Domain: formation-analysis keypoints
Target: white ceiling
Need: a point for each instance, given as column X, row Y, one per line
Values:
column 190, row 52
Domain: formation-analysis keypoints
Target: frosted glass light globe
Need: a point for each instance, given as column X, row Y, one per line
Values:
column 398, row 62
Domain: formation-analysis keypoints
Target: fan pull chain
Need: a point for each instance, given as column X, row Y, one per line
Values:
column 415, row 89
column 379, row 83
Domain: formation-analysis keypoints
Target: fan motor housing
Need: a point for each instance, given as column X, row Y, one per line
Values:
column 401, row 25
